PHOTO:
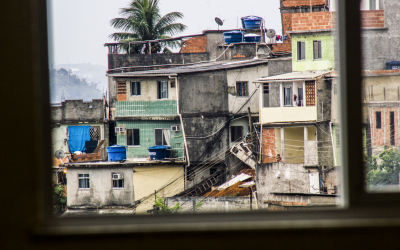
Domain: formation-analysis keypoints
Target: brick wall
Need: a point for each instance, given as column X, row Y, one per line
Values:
column 312, row 21
column 268, row 146
column 375, row 72
column 382, row 136
column 372, row 18
column 295, row 3
column 195, row 45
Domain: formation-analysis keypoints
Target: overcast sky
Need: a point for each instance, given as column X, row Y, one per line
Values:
column 81, row 27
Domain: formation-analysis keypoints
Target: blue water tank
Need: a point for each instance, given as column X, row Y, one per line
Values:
column 159, row 152
column 252, row 38
column 393, row 65
column 116, row 153
column 234, row 36
column 251, row 22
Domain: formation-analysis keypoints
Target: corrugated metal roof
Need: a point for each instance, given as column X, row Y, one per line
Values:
column 294, row 76
column 199, row 67
column 234, row 180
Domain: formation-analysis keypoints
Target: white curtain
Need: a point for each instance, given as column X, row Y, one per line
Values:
column 166, row 136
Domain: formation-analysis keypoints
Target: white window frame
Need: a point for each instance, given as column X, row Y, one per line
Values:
column 360, row 208
column 84, row 177
column 162, row 94
column 164, row 143
column 112, row 181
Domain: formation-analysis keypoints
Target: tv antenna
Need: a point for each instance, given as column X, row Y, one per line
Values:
column 270, row 33
column 59, row 154
column 219, row 22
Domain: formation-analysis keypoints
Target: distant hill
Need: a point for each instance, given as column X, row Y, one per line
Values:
column 63, row 83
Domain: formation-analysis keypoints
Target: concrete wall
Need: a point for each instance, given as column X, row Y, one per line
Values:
column 212, row 204
column 325, row 151
column 243, row 122
column 78, row 111
column 147, row 179
column 323, row 100
column 279, row 66
column 213, row 40
column 327, row 62
column 381, row 88
column 245, row 75
column 130, row 60
column 100, row 192
column 274, row 95
column 380, row 46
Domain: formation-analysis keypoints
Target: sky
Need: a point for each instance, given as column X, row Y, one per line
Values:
column 78, row 29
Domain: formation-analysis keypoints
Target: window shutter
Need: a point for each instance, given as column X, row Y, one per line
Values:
column 303, row 50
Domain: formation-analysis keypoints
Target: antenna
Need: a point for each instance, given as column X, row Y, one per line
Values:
column 219, row 22
column 270, row 33
column 59, row 154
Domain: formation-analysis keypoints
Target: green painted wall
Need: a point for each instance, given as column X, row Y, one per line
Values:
column 327, row 62
column 146, row 134
column 147, row 108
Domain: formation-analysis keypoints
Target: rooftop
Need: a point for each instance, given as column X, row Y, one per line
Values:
column 294, row 76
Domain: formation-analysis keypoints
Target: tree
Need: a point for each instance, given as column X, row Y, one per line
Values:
column 142, row 21
column 59, row 199
column 164, row 209
column 386, row 172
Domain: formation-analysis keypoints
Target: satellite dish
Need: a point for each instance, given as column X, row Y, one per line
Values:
column 59, row 154
column 270, row 33
column 219, row 22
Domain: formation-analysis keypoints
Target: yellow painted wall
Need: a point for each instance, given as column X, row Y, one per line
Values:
column 294, row 145
column 288, row 114
column 147, row 179
column 312, row 133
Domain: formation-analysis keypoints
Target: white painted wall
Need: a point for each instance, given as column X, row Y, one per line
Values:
column 148, row 89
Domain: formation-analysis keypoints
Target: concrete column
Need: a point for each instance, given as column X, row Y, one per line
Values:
column 283, row 144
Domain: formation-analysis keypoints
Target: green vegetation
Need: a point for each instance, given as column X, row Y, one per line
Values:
column 142, row 21
column 164, row 209
column 59, row 199
column 65, row 85
column 384, row 169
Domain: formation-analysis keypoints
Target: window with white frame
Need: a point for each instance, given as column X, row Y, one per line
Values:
column 84, row 181
column 372, row 4
column 317, row 49
column 135, row 88
column 162, row 90
column 117, row 180
column 162, row 136
column 132, row 137
column 301, row 50
column 287, row 95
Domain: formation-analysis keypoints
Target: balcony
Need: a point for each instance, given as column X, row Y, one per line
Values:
column 146, row 108
column 288, row 114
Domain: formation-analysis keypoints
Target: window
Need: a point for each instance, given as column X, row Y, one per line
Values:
column 378, row 119
column 84, row 182
column 135, row 88
column 162, row 90
column 117, row 180
column 300, row 98
column 94, row 133
column 287, row 96
column 172, row 84
column 161, row 136
column 301, row 50
column 236, row 133
column 132, row 137
column 372, row 4
column 317, row 50
column 266, row 94
column 241, row 89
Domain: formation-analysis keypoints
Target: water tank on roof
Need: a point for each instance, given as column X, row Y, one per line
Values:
column 159, row 152
column 251, row 22
column 116, row 153
column 233, row 36
column 252, row 38
column 393, row 65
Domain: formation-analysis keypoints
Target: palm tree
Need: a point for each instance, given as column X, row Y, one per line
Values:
column 142, row 21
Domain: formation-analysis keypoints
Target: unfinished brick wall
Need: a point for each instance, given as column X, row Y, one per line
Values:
column 296, row 3
column 195, row 45
column 382, row 136
column 121, row 90
column 268, row 146
column 312, row 21
column 372, row 18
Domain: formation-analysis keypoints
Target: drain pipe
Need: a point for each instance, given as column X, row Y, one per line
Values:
column 333, row 146
column 180, row 116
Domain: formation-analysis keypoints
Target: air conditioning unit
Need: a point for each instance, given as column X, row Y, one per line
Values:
column 117, row 176
column 119, row 129
column 176, row 128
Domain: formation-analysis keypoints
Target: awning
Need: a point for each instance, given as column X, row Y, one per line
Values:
column 294, row 77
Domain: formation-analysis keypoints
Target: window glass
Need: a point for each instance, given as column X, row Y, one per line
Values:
column 162, row 90
column 162, row 136
column 84, row 181
column 317, row 50
column 132, row 137
column 135, row 88
column 301, row 50
column 236, row 133
column 117, row 180
column 288, row 96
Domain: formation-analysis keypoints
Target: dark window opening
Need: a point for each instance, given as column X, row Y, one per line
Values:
column 236, row 133
column 317, row 50
column 173, row 84
column 266, row 94
column 241, row 89
column 392, row 131
column 162, row 90
column 161, row 136
column 301, row 50
column 378, row 119
column 132, row 137
column 135, row 88
column 287, row 96
column 300, row 97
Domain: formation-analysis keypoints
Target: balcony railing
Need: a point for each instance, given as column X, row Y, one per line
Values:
column 288, row 114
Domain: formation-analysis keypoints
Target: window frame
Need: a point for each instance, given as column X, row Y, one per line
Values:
column 239, row 85
column 301, row 50
column 360, row 209
column 290, row 97
column 319, row 49
column 378, row 122
column 84, row 177
column 160, row 92
column 133, row 137
column 136, row 83
column 162, row 133
column 112, row 181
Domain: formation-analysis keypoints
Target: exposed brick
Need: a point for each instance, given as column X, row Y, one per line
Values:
column 121, row 97
column 195, row 45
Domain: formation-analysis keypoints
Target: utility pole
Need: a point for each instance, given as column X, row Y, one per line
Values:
column 251, row 128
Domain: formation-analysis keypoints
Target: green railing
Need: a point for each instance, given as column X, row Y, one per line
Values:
column 147, row 108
